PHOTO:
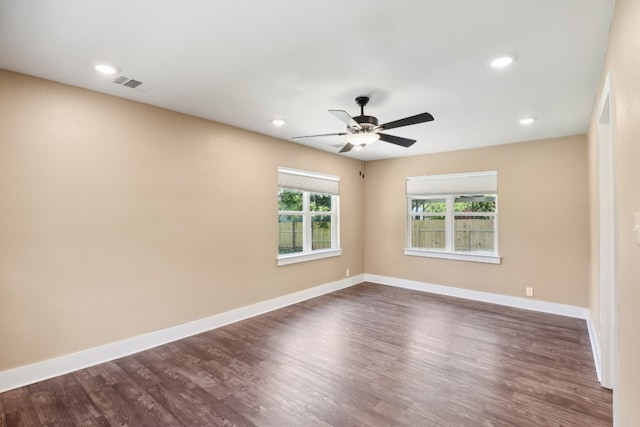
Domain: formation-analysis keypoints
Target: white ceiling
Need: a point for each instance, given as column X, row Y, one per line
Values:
column 246, row 62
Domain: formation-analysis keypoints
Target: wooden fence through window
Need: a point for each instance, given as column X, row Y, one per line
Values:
column 290, row 238
column 471, row 234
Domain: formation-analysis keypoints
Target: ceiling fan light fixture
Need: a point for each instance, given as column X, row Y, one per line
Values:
column 362, row 139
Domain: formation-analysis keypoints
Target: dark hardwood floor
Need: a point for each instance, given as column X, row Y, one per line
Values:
column 369, row 355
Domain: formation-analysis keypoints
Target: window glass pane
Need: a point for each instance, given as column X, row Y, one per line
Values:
column 475, row 203
column 428, row 205
column 290, row 229
column 289, row 200
column 320, row 202
column 474, row 233
column 427, row 232
column 320, row 232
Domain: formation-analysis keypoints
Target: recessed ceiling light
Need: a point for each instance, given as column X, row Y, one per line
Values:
column 278, row 122
column 527, row 120
column 503, row 61
column 106, row 68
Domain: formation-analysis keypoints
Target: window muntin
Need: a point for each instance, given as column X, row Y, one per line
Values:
column 307, row 216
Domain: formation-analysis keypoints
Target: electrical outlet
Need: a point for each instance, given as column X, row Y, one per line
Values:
column 347, row 272
column 529, row 291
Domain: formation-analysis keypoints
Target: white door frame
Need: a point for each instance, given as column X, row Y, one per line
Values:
column 608, row 239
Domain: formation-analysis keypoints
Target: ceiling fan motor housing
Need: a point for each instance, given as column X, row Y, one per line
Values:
column 367, row 123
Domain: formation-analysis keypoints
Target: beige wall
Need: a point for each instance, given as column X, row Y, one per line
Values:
column 118, row 218
column 543, row 228
column 623, row 64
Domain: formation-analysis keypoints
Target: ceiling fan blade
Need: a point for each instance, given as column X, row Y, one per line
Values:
column 413, row 120
column 345, row 117
column 346, row 148
column 404, row 142
column 324, row 134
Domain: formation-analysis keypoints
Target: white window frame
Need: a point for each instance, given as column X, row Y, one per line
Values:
column 311, row 183
column 449, row 187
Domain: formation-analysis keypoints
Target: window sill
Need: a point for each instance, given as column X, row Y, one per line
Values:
column 309, row 256
column 460, row 256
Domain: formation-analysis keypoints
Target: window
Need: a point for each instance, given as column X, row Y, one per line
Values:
column 308, row 216
column 453, row 216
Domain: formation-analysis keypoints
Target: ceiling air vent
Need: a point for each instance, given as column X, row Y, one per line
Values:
column 132, row 83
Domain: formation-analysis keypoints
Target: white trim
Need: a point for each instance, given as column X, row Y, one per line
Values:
column 607, row 237
column 506, row 300
column 461, row 256
column 307, row 256
column 29, row 374
column 595, row 348
column 40, row 371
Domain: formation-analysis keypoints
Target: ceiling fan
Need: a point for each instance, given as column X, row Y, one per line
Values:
column 363, row 130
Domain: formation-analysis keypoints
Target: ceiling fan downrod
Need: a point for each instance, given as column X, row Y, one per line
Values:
column 369, row 122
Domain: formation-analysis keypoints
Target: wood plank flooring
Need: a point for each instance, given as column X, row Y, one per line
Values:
column 369, row 355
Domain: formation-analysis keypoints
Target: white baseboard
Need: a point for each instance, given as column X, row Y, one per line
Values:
column 595, row 348
column 506, row 300
column 40, row 371
column 29, row 374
